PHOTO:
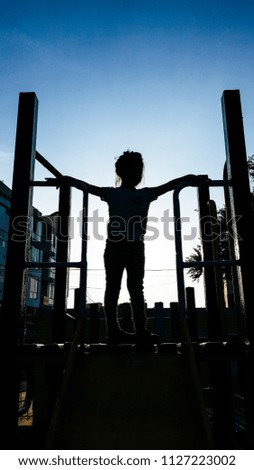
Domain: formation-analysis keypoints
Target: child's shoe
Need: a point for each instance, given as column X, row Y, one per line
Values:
column 121, row 337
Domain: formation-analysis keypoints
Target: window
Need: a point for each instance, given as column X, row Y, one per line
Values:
column 36, row 228
column 3, row 243
column 51, row 271
column 33, row 290
column 35, row 254
column 51, row 292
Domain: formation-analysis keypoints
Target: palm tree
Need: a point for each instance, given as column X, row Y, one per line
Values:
column 196, row 272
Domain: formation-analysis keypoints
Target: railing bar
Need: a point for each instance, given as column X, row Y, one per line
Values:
column 190, row 184
column 83, row 268
column 58, row 264
column 47, row 165
column 200, row 264
column 179, row 253
column 223, row 183
column 42, row 183
column 180, row 264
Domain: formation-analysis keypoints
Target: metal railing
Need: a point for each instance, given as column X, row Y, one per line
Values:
column 82, row 264
column 180, row 263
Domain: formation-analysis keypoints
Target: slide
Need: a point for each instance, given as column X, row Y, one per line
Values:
column 121, row 398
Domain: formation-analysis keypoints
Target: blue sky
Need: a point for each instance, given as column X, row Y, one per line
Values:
column 111, row 75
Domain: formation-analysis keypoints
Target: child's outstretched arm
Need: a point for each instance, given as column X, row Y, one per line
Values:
column 171, row 185
column 76, row 183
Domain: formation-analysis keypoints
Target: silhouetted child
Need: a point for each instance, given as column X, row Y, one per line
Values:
column 128, row 211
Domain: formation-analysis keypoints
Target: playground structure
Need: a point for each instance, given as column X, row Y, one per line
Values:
column 111, row 422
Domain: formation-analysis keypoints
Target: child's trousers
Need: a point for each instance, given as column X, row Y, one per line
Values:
column 120, row 255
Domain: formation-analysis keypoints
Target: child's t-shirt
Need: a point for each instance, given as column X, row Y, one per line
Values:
column 128, row 212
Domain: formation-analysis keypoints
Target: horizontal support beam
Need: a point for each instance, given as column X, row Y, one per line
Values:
column 204, row 264
column 57, row 264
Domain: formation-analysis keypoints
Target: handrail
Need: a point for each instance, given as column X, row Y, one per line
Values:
column 47, row 165
column 213, row 263
column 52, row 264
column 180, row 264
column 82, row 264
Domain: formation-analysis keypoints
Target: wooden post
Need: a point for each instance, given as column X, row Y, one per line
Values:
column 240, row 200
column 241, row 321
column 242, row 213
column 218, row 273
column 191, row 313
column 94, row 323
column 14, row 295
column 159, row 320
column 175, row 322
column 209, row 277
column 219, row 372
column 61, row 277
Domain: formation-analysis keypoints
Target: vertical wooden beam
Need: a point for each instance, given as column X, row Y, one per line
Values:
column 14, row 295
column 240, row 201
column 175, row 322
column 242, row 213
column 236, row 301
column 94, row 323
column 209, row 276
column 62, row 254
column 218, row 273
column 191, row 313
column 159, row 320
column 219, row 374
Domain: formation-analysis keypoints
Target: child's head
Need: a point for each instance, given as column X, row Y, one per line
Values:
column 129, row 168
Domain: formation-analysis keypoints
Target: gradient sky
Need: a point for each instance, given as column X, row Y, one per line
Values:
column 111, row 75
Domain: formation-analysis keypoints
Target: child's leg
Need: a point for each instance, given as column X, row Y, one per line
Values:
column 114, row 267
column 135, row 275
column 135, row 267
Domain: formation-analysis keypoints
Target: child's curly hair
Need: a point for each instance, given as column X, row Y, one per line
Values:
column 129, row 162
